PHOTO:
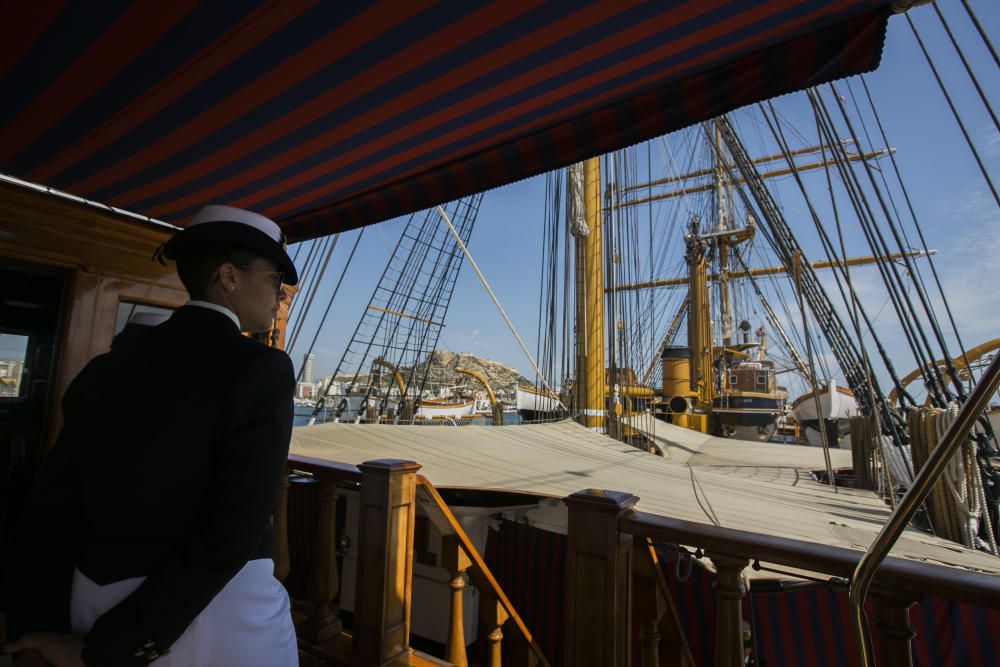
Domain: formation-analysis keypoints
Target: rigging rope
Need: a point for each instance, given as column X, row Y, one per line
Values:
column 304, row 273
column 838, row 262
column 968, row 69
column 890, row 276
column 921, row 294
column 916, row 223
column 855, row 306
column 982, row 33
column 482, row 279
column 954, row 111
column 312, row 294
column 322, row 321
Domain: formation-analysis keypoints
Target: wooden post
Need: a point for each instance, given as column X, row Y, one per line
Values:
column 492, row 615
column 729, row 592
column 456, row 562
column 282, row 559
column 648, row 605
column 385, row 562
column 598, row 580
column 324, row 581
column 895, row 634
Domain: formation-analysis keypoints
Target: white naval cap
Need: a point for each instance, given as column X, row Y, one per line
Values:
column 229, row 225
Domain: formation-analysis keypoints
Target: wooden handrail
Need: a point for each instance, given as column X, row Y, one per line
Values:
column 479, row 573
column 321, row 468
column 320, row 624
column 895, row 573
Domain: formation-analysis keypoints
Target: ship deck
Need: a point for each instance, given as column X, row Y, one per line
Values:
column 558, row 459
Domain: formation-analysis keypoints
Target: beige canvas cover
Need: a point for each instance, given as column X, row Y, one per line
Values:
column 561, row 458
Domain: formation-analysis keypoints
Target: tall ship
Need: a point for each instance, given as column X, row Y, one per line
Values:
column 631, row 532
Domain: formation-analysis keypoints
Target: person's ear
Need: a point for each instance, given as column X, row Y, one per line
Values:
column 228, row 276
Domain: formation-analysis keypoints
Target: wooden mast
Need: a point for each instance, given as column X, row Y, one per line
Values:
column 590, row 381
column 699, row 327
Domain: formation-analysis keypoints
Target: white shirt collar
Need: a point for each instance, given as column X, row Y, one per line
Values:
column 217, row 308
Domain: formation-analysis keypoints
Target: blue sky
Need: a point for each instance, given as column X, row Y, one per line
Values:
column 955, row 208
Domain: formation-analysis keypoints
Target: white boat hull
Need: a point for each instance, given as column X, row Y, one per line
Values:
column 529, row 400
column 833, row 404
column 430, row 410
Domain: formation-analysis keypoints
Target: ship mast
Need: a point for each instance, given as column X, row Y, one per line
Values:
column 590, row 382
column 721, row 226
column 699, row 322
column 700, row 341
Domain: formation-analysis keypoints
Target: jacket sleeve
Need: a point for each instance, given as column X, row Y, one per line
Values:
column 39, row 574
column 248, row 459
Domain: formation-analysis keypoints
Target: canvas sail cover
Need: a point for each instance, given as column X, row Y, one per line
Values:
column 334, row 115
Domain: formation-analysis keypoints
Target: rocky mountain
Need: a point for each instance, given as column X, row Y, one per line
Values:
column 442, row 372
column 443, row 365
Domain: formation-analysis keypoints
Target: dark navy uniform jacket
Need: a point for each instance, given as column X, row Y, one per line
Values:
column 167, row 467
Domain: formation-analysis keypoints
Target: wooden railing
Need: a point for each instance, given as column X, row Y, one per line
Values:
column 614, row 589
column 390, row 493
column 603, row 531
column 496, row 613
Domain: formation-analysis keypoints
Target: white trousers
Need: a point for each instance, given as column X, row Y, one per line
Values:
column 248, row 624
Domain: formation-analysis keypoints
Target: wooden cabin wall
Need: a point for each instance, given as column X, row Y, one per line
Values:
column 106, row 258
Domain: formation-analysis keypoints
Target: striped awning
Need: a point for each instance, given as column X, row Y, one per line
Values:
column 333, row 115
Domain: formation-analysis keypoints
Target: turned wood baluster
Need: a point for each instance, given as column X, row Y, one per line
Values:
column 895, row 634
column 385, row 562
column 493, row 615
column 324, row 580
column 282, row 559
column 456, row 562
column 648, row 604
column 729, row 592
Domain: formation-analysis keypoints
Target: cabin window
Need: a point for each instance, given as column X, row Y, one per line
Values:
column 762, row 379
column 734, row 380
column 13, row 372
column 127, row 309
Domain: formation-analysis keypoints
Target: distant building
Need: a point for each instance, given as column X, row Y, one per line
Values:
column 306, row 390
column 307, row 369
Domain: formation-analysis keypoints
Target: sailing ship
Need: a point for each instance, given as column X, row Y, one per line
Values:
column 373, row 539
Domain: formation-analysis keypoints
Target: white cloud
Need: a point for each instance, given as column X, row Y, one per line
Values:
column 989, row 141
column 472, row 340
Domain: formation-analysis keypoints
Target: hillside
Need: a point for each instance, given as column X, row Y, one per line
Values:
column 442, row 371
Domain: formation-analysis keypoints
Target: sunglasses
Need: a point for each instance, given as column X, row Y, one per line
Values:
column 277, row 277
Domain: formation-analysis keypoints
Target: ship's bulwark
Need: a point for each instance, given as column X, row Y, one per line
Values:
column 804, row 628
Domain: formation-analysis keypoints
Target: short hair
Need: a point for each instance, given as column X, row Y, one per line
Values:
column 199, row 266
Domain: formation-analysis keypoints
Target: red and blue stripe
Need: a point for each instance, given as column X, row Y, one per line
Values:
column 328, row 116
